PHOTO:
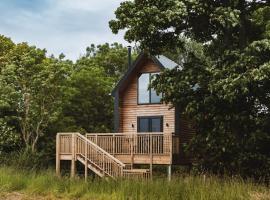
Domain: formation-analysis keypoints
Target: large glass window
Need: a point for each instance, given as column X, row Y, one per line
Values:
column 143, row 91
column 146, row 94
column 150, row 124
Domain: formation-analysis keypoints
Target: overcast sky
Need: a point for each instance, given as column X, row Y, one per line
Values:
column 60, row 26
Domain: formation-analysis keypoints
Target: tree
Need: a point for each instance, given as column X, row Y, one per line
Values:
column 31, row 86
column 224, row 84
column 9, row 138
column 113, row 58
column 89, row 106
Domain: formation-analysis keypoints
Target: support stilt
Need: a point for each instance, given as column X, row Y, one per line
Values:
column 169, row 172
column 151, row 156
column 151, row 171
column 72, row 168
column 57, row 158
column 86, row 162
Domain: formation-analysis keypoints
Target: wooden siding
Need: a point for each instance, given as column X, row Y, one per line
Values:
column 130, row 110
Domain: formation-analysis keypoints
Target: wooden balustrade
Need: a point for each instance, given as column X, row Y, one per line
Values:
column 65, row 143
column 104, row 153
column 91, row 153
column 139, row 143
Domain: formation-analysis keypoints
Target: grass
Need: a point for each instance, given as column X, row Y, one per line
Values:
column 46, row 184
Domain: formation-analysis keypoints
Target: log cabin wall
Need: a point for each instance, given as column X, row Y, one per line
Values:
column 129, row 109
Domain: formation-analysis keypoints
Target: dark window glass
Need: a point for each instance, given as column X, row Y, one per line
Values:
column 156, row 124
column 150, row 124
column 143, row 125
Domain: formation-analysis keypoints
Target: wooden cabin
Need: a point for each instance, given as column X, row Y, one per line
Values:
column 147, row 131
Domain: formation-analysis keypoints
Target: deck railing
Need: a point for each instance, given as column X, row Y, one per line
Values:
column 137, row 143
column 78, row 145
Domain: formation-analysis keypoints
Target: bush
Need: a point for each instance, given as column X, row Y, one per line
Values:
column 25, row 159
column 9, row 139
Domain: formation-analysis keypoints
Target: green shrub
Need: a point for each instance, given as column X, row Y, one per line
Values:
column 24, row 159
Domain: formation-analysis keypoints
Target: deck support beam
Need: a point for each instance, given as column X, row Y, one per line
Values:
column 72, row 168
column 57, row 159
column 169, row 170
column 151, row 156
column 86, row 162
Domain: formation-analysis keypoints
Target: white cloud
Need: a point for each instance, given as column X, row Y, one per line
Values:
column 67, row 26
column 88, row 5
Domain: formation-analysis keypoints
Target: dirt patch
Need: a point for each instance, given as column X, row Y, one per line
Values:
column 11, row 196
column 21, row 196
column 260, row 196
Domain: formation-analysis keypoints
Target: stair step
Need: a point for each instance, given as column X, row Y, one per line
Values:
column 137, row 170
column 136, row 173
column 128, row 166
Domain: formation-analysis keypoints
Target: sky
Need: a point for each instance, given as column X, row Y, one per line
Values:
column 60, row 26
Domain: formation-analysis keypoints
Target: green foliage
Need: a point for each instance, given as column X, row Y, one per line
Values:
column 26, row 159
column 9, row 139
column 45, row 184
column 30, row 87
column 112, row 58
column 224, row 49
column 90, row 105
column 41, row 95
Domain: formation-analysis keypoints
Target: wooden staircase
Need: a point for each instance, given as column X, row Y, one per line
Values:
column 76, row 147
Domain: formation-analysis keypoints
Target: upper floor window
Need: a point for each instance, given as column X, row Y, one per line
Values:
column 147, row 94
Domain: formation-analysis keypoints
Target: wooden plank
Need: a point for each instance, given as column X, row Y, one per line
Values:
column 65, row 156
column 57, row 164
column 72, row 168
column 86, row 160
column 151, row 156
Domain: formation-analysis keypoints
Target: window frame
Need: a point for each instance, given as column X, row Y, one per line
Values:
column 150, row 99
column 150, row 123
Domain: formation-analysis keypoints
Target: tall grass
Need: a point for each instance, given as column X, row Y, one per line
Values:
column 190, row 187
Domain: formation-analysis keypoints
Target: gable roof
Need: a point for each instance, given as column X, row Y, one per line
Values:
column 166, row 62
column 162, row 61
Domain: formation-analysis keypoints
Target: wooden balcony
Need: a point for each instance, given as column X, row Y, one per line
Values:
column 137, row 148
column 76, row 147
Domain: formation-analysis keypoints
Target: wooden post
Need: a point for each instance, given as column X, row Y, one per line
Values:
column 86, row 162
column 57, row 157
column 151, row 155
column 103, row 164
column 169, row 172
column 114, row 144
column 171, row 158
column 73, row 140
column 132, row 153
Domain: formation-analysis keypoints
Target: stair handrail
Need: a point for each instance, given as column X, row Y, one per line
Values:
column 100, row 149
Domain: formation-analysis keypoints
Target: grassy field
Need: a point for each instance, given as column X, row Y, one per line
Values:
column 16, row 184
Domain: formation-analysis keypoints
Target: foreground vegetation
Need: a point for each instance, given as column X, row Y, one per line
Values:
column 46, row 184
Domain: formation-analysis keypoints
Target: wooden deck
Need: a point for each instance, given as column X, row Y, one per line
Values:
column 137, row 148
column 110, row 154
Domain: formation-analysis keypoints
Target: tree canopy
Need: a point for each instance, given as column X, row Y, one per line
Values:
column 224, row 50
column 41, row 95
